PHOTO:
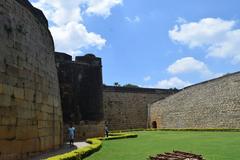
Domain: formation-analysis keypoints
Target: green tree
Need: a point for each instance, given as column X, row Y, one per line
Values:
column 116, row 84
column 131, row 85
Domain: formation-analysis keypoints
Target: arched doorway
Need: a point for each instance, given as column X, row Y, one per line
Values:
column 154, row 124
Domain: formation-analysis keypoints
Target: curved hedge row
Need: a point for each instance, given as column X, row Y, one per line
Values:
column 78, row 154
column 120, row 136
column 95, row 145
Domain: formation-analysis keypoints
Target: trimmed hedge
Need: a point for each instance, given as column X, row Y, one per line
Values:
column 95, row 145
column 78, row 154
column 113, row 136
column 181, row 129
column 198, row 129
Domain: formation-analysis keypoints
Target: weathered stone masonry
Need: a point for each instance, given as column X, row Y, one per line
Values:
column 126, row 108
column 30, row 107
column 210, row 104
column 81, row 93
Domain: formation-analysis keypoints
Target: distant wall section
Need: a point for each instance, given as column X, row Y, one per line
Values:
column 211, row 104
column 126, row 108
column 81, row 93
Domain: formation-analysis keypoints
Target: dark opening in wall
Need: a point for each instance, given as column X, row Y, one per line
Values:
column 154, row 124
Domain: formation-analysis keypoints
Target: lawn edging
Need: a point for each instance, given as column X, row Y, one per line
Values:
column 181, row 129
column 78, row 154
column 95, row 145
column 113, row 136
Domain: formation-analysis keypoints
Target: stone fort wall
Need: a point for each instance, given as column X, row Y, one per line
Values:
column 126, row 108
column 30, row 107
column 81, row 94
column 211, row 104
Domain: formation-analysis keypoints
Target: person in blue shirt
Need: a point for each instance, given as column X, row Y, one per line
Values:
column 71, row 134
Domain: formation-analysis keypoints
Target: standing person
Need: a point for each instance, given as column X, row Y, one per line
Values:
column 71, row 134
column 106, row 130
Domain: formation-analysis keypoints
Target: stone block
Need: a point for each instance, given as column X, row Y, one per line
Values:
column 45, row 124
column 56, row 102
column 41, row 124
column 46, row 143
column 7, row 132
column 7, row 111
column 26, row 132
column 29, row 94
column 25, row 113
column 18, row 93
column 9, row 146
column 47, row 108
column 1, row 88
column 31, row 145
column 44, row 116
column 26, row 122
column 50, row 100
column 12, row 70
column 5, row 100
column 6, row 89
column 8, row 120
column 43, row 132
column 39, row 97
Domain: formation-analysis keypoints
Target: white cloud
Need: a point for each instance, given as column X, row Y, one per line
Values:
column 181, row 20
column 173, row 82
column 74, row 36
column 61, row 12
column 136, row 19
column 206, row 31
column 218, row 36
column 69, row 32
column 101, row 7
column 228, row 48
column 188, row 64
column 147, row 78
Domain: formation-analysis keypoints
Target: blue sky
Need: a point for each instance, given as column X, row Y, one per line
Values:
column 154, row 43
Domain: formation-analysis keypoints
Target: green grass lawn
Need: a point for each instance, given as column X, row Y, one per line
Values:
column 212, row 145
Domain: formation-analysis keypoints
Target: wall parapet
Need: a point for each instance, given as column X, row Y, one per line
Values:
column 214, row 79
column 36, row 12
column 138, row 90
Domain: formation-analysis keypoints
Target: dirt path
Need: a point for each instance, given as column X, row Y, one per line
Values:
column 64, row 149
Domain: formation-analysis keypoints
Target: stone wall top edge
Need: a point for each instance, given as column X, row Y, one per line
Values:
column 62, row 53
column 137, row 90
column 195, row 85
column 214, row 79
column 80, row 64
column 77, row 61
column 35, row 11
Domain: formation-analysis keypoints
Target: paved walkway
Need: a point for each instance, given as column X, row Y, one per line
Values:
column 64, row 149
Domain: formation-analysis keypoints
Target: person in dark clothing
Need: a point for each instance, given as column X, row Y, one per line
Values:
column 106, row 130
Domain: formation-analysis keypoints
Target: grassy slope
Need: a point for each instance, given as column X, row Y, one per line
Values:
column 212, row 145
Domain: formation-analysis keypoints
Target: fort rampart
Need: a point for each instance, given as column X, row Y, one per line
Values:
column 81, row 94
column 126, row 108
column 30, row 107
column 210, row 104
